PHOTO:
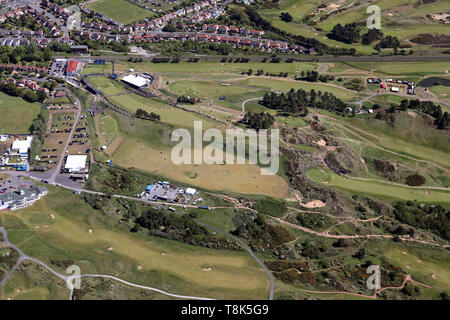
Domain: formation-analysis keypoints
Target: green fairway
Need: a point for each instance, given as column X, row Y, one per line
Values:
column 211, row 68
column 107, row 86
column 119, row 10
column 327, row 177
column 17, row 115
column 111, row 249
column 170, row 115
column 404, row 68
column 286, row 85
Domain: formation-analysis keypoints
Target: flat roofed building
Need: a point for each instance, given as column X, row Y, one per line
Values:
column 21, row 147
column 75, row 163
column 136, row 81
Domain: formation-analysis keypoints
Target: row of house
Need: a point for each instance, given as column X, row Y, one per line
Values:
column 40, row 18
column 263, row 44
column 27, row 83
column 16, row 13
column 200, row 16
column 22, row 68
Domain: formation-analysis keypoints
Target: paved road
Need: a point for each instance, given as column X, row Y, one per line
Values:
column 248, row 100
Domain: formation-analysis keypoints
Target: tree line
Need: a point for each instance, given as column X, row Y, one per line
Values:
column 297, row 102
column 142, row 114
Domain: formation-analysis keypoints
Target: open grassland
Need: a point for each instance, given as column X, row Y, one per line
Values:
column 211, row 69
column 119, row 10
column 245, row 178
column 111, row 249
column 107, row 86
column 427, row 266
column 380, row 189
column 404, row 68
column 170, row 115
column 285, row 85
column 16, row 115
column 146, row 145
column 218, row 68
column 401, row 18
column 409, row 138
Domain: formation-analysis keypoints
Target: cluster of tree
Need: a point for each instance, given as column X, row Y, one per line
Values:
column 286, row 17
column 24, row 22
column 37, row 128
column 27, row 94
column 434, row 218
column 314, row 76
column 161, row 60
column 115, row 180
column 135, row 60
column 184, row 99
column 185, row 229
column 315, row 221
column 142, row 114
column 371, row 36
column 442, row 119
column 347, row 34
column 389, row 42
column 260, row 72
column 297, row 102
column 178, row 47
column 28, row 53
column 415, row 180
column 258, row 233
column 258, row 121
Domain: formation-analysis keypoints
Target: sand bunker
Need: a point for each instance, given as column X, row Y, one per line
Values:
column 314, row 204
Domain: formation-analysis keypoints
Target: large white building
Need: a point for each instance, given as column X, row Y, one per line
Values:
column 75, row 163
column 21, row 147
column 136, row 81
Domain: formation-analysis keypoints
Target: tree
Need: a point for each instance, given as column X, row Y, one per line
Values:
column 286, row 17
column 258, row 120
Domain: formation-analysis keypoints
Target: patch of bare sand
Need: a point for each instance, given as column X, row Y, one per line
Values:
column 412, row 114
column 313, row 204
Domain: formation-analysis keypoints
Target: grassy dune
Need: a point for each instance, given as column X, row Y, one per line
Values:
column 169, row 265
column 327, row 177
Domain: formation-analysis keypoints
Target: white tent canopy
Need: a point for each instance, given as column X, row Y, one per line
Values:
column 75, row 163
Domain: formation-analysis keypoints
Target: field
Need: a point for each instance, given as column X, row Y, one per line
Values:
column 136, row 139
column 285, row 85
column 119, row 10
column 170, row 115
column 111, row 249
column 385, row 190
column 107, row 86
column 404, row 68
column 402, row 18
column 20, row 114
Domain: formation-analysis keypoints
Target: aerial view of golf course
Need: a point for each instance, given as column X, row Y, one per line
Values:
column 225, row 150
